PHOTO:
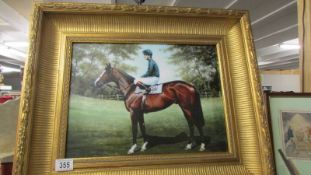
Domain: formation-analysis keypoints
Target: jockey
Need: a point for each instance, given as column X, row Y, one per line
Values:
column 151, row 77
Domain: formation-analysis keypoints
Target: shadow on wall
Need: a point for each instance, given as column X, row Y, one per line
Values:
column 8, row 118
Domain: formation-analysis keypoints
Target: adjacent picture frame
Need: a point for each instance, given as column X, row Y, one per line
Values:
column 57, row 27
column 290, row 121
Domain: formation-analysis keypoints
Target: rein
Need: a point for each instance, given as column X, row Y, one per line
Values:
column 126, row 90
column 112, row 87
column 124, row 85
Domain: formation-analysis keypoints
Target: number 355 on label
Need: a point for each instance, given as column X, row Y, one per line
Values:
column 64, row 165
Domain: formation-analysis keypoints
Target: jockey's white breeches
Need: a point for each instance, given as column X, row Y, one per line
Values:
column 147, row 80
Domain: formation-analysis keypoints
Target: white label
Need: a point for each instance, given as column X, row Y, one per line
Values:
column 64, row 165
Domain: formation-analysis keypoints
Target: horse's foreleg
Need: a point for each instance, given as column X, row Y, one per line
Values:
column 142, row 127
column 134, row 133
column 134, row 129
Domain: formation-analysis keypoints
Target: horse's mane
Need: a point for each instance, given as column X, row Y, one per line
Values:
column 127, row 76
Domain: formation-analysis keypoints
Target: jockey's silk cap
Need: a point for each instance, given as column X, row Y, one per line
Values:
column 147, row 52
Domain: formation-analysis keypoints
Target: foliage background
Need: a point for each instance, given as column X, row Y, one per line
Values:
column 191, row 63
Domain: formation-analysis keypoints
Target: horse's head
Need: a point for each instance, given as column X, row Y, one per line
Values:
column 105, row 77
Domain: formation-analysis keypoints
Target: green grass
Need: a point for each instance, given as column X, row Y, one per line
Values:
column 100, row 127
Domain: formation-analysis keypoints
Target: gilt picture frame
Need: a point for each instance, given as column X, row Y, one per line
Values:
column 42, row 134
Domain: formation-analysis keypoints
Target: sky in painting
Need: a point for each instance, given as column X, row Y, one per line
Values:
column 168, row 71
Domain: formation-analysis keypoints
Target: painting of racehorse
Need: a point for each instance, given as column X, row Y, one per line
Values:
column 137, row 99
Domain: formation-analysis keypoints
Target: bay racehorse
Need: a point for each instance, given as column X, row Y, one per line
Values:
column 179, row 92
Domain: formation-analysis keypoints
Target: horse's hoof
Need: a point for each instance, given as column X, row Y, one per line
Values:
column 188, row 146
column 144, row 147
column 202, row 147
column 132, row 149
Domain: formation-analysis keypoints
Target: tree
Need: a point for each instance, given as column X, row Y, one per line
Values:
column 89, row 60
column 197, row 65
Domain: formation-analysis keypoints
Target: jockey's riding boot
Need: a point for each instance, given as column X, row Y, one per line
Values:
column 143, row 86
column 148, row 89
column 140, row 85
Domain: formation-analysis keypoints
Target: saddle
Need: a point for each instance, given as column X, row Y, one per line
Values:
column 147, row 89
column 154, row 89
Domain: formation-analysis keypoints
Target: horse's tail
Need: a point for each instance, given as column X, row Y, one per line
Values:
column 198, row 117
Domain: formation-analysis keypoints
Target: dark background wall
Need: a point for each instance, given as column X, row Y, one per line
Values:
column 13, row 79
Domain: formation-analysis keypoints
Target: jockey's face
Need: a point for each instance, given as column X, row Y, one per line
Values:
column 147, row 57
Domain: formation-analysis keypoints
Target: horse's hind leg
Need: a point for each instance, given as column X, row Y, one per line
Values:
column 191, row 124
column 191, row 133
column 191, row 142
column 202, row 146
